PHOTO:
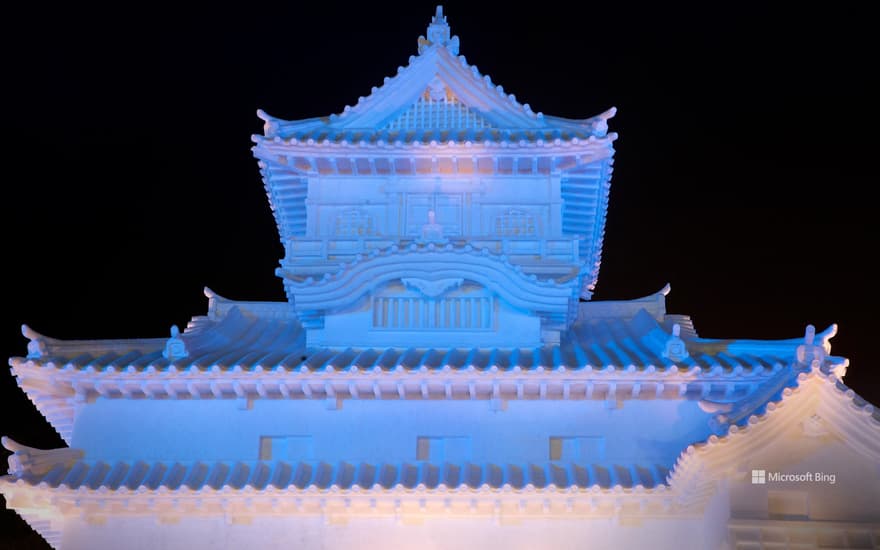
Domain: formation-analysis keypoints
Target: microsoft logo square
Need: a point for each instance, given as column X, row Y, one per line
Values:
column 759, row 477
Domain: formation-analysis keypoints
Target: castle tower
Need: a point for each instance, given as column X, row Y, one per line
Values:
column 438, row 211
column 438, row 376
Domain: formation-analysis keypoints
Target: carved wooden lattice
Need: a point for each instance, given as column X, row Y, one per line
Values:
column 515, row 223
column 354, row 223
column 443, row 114
column 450, row 313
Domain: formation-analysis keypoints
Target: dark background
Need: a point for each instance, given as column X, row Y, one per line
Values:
column 742, row 174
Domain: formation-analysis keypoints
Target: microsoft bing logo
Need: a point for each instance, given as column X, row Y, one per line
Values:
column 761, row 477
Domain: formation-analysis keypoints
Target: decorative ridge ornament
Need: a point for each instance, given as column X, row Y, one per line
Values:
column 600, row 123
column 36, row 347
column 439, row 34
column 675, row 349
column 808, row 353
column 26, row 459
column 175, row 347
column 432, row 289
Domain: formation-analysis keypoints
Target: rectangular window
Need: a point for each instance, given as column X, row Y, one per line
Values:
column 448, row 313
column 577, row 448
column 266, row 448
column 555, row 448
column 443, row 449
column 423, row 448
column 286, row 447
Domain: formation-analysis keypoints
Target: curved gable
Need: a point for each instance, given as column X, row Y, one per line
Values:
column 424, row 277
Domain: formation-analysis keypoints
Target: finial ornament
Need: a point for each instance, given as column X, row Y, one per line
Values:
column 36, row 346
column 439, row 34
column 675, row 349
column 600, row 123
column 175, row 347
column 437, row 89
column 809, row 354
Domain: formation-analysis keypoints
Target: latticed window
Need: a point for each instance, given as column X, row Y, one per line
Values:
column 354, row 223
column 447, row 313
column 440, row 114
column 515, row 223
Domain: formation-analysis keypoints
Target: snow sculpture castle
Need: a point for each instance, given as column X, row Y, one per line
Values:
column 438, row 376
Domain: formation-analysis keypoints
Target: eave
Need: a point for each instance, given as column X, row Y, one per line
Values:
column 328, row 158
column 58, row 391
column 339, row 506
column 256, row 350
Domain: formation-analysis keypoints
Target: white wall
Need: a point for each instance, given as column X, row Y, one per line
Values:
column 384, row 533
column 643, row 432
column 854, row 495
column 397, row 204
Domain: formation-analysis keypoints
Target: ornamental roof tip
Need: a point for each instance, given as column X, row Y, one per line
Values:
column 439, row 34
column 827, row 334
column 29, row 333
column 37, row 343
column 10, row 444
column 26, row 459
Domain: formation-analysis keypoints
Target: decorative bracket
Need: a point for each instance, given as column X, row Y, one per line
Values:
column 432, row 289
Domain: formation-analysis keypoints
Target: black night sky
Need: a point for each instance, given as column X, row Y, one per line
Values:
column 742, row 176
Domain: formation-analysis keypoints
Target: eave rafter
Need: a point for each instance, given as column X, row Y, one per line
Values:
column 339, row 505
column 347, row 159
column 58, row 391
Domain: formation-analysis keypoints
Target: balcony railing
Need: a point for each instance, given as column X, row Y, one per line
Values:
column 562, row 250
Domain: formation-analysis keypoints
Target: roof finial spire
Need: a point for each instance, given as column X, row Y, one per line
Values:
column 439, row 34
column 809, row 354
